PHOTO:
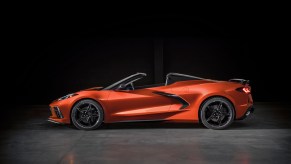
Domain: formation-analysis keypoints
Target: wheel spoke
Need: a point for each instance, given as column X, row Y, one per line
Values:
column 89, row 121
column 220, row 120
column 219, row 106
column 94, row 115
column 83, row 119
column 79, row 110
column 210, row 117
column 212, row 113
column 89, row 107
column 92, row 119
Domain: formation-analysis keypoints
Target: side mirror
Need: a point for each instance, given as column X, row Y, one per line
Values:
column 120, row 87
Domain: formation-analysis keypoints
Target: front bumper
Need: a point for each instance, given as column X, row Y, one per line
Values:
column 52, row 121
column 60, row 112
column 249, row 112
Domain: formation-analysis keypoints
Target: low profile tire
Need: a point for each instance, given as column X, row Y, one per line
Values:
column 87, row 115
column 217, row 113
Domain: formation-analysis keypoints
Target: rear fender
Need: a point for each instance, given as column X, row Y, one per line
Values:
column 202, row 99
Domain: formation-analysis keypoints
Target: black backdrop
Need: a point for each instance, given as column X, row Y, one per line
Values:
column 50, row 55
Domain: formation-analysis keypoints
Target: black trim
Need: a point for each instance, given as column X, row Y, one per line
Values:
column 184, row 103
column 49, row 120
column 251, row 109
column 242, row 81
column 128, row 121
column 58, row 112
column 149, row 86
column 170, row 78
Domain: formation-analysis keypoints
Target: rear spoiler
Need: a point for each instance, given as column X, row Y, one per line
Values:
column 242, row 81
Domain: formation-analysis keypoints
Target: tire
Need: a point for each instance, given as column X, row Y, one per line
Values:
column 217, row 113
column 87, row 115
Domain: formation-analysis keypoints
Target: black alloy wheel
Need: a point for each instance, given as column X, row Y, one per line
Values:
column 87, row 115
column 217, row 113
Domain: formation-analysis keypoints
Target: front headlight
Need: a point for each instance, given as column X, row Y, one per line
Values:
column 67, row 96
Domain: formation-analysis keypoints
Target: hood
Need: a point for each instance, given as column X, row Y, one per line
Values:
column 93, row 89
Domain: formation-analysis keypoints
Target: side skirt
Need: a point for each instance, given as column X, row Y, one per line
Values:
column 139, row 121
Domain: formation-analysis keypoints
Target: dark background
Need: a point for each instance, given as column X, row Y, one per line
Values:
column 51, row 53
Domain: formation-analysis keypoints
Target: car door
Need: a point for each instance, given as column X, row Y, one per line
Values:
column 135, row 105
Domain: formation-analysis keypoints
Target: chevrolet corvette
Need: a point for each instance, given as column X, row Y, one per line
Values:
column 182, row 98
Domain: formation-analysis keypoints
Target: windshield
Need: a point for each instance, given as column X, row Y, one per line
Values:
column 126, row 80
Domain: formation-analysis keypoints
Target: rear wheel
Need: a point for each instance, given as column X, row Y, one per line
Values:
column 217, row 113
column 87, row 115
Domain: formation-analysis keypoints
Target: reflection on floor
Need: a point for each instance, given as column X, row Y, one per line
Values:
column 26, row 137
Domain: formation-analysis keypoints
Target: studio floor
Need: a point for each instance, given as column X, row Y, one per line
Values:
column 26, row 137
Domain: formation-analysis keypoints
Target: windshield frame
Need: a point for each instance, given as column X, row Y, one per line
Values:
column 126, row 80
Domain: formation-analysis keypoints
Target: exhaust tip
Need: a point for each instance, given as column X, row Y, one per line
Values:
column 248, row 113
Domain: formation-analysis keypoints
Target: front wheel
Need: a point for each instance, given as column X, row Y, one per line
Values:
column 87, row 115
column 217, row 113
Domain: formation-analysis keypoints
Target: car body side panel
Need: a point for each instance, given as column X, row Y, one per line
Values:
column 144, row 104
column 137, row 104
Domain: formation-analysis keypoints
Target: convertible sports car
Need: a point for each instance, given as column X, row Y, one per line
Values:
column 215, row 104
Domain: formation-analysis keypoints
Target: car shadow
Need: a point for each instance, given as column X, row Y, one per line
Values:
column 236, row 125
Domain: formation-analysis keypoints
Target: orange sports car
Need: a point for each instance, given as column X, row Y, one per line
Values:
column 216, row 104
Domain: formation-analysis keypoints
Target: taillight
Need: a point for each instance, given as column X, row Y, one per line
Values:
column 244, row 89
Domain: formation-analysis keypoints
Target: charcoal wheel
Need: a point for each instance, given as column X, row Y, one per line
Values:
column 87, row 115
column 217, row 113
